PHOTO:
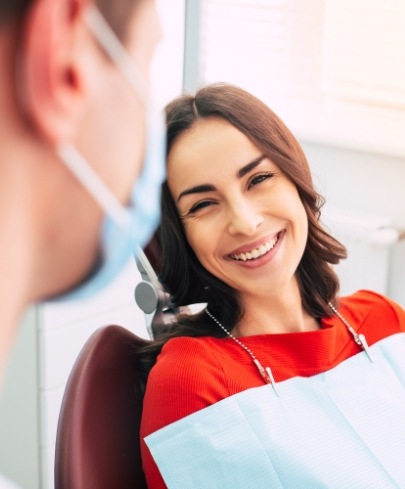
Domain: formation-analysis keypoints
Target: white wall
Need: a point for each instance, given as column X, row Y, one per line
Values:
column 362, row 181
column 19, row 410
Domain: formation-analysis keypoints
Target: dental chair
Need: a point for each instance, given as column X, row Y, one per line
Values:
column 97, row 445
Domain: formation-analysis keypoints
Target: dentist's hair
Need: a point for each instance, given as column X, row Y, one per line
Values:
column 116, row 12
column 180, row 271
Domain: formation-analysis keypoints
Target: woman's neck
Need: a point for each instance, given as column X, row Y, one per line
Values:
column 274, row 314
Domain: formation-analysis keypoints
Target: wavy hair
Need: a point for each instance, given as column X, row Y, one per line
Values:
column 180, row 271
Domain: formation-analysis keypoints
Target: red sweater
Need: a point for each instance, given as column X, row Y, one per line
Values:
column 193, row 373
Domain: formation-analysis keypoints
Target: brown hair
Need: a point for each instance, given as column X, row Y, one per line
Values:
column 117, row 12
column 12, row 9
column 181, row 273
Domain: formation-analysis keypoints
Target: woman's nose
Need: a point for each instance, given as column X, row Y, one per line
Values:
column 244, row 218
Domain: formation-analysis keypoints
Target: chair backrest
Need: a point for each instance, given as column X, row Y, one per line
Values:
column 97, row 445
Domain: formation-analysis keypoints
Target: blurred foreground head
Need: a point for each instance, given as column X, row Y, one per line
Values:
column 61, row 87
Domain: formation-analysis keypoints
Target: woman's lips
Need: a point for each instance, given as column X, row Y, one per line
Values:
column 258, row 251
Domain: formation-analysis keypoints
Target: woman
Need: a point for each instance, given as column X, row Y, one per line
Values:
column 275, row 383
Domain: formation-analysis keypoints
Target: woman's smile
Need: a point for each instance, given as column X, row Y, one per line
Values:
column 253, row 252
column 254, row 257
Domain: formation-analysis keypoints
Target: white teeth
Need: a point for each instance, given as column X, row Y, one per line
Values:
column 256, row 252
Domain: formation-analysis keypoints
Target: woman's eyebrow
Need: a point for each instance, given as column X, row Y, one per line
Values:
column 199, row 189
column 250, row 166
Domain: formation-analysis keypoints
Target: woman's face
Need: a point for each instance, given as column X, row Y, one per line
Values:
column 242, row 217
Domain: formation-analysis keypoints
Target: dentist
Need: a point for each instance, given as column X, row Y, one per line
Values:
column 79, row 177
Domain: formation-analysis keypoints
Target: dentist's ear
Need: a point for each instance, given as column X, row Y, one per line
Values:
column 49, row 77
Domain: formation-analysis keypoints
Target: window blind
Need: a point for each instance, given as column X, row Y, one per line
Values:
column 364, row 58
column 334, row 70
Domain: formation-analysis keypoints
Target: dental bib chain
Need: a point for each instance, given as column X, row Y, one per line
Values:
column 266, row 372
column 360, row 339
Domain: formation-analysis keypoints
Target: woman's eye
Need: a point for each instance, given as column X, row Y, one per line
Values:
column 200, row 205
column 197, row 208
column 260, row 178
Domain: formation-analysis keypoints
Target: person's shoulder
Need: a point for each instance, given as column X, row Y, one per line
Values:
column 186, row 348
column 187, row 377
column 184, row 358
column 372, row 306
column 369, row 299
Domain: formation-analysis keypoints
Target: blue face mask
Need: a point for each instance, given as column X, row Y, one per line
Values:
column 125, row 229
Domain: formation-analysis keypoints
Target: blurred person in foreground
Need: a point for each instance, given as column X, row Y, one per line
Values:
column 77, row 190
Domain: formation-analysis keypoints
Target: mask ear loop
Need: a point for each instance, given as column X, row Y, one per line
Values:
column 113, row 47
column 79, row 166
column 73, row 159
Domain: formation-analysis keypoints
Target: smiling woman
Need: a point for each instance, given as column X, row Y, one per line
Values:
column 234, row 202
column 240, row 231
column 225, row 129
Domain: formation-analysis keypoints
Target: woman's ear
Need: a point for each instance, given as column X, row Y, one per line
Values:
column 50, row 78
